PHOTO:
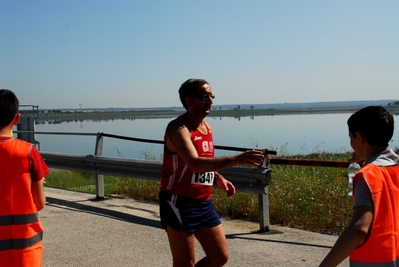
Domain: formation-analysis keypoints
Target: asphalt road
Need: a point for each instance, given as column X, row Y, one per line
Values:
column 80, row 231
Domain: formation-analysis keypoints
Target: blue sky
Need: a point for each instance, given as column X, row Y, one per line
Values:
column 128, row 53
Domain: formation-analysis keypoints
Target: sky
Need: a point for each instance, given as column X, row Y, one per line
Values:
column 135, row 54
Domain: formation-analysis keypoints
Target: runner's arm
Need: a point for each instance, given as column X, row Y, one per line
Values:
column 178, row 140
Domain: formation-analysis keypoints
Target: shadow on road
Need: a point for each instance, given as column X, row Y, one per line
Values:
column 117, row 215
column 255, row 237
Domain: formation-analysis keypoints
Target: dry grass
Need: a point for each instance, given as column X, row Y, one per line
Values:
column 309, row 198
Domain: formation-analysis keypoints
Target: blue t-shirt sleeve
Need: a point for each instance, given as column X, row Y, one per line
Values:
column 362, row 194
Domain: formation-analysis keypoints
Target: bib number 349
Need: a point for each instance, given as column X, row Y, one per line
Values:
column 203, row 178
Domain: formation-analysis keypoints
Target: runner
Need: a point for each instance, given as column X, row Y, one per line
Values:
column 188, row 172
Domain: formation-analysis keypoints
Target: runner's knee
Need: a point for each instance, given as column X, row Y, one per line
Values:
column 220, row 259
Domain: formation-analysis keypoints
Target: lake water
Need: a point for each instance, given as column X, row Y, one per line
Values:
column 288, row 134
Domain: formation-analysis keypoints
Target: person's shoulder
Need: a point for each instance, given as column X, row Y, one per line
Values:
column 20, row 142
column 175, row 124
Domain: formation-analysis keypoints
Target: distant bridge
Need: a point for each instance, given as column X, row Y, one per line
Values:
column 27, row 123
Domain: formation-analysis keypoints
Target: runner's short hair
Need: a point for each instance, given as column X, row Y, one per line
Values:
column 189, row 88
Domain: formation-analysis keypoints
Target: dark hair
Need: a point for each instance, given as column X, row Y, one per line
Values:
column 375, row 123
column 9, row 105
column 189, row 88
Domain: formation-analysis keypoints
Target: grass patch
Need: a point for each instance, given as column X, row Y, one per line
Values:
column 309, row 198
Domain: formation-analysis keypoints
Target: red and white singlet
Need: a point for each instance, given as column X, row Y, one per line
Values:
column 178, row 179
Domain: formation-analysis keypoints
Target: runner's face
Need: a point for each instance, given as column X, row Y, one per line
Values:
column 203, row 101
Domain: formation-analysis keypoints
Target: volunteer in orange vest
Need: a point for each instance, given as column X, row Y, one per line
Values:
column 372, row 236
column 22, row 172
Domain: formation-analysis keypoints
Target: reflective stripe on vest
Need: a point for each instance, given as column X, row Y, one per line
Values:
column 20, row 243
column 379, row 264
column 18, row 219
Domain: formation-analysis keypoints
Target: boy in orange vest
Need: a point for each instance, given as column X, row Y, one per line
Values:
column 372, row 236
column 22, row 172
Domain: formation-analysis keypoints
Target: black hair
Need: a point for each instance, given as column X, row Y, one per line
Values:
column 9, row 105
column 375, row 123
column 189, row 88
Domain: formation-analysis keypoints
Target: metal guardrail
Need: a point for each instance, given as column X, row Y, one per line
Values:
column 254, row 180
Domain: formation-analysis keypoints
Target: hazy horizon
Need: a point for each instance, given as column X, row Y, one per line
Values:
column 244, row 106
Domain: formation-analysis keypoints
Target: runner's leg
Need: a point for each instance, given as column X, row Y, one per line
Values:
column 182, row 247
column 213, row 241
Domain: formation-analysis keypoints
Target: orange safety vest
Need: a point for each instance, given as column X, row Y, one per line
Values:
column 381, row 247
column 20, row 228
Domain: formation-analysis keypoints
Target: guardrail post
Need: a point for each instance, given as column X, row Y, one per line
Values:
column 263, row 199
column 264, row 219
column 99, row 177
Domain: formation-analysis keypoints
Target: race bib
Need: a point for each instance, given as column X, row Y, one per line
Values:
column 203, row 178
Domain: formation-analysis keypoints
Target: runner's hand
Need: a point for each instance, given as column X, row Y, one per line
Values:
column 225, row 185
column 251, row 157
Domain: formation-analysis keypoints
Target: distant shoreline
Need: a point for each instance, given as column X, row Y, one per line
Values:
column 137, row 114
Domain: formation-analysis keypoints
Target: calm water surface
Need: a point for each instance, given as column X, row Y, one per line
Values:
column 288, row 134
